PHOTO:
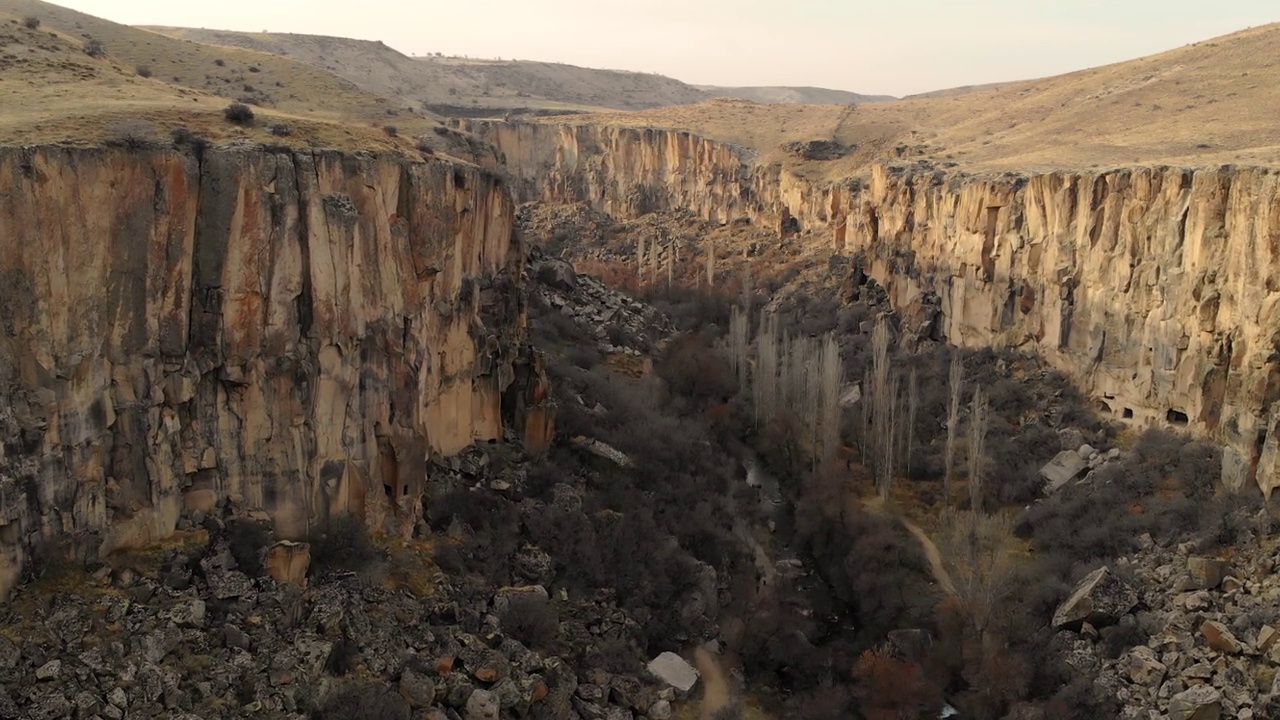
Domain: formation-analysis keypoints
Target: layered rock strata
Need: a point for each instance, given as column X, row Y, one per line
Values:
column 296, row 332
column 1157, row 289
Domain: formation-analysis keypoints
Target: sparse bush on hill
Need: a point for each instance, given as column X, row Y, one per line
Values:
column 220, row 62
column 144, row 71
column 281, row 130
column 94, row 48
column 239, row 114
column 31, row 22
column 183, row 135
column 425, row 148
column 132, row 135
column 390, row 130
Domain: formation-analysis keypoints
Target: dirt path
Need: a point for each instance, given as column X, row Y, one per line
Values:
column 715, row 686
column 937, row 568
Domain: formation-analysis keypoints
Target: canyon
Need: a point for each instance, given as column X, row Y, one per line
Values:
column 296, row 332
column 1156, row 288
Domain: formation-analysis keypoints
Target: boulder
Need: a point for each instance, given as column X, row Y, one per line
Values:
column 1202, row 702
column 557, row 273
column 1206, row 573
column 1267, row 637
column 1220, row 638
column 1062, row 469
column 482, row 705
column 1142, row 667
column 417, row 688
column 189, row 613
column 673, row 670
column 1100, row 599
column 287, row 562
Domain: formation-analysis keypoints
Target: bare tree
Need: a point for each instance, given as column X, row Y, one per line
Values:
column 978, row 560
column 711, row 265
column 977, row 448
column 913, row 404
column 640, row 249
column 738, row 324
column 882, row 399
column 953, row 422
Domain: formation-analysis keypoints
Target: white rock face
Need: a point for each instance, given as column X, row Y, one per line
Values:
column 673, row 670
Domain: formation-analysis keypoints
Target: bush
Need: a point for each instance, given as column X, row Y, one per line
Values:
column 391, row 130
column 144, row 71
column 183, row 135
column 31, row 22
column 220, row 62
column 248, row 539
column 425, row 148
column 239, row 114
column 532, row 620
column 281, row 130
column 95, row 48
column 364, row 701
column 344, row 544
column 132, row 135
column 342, row 658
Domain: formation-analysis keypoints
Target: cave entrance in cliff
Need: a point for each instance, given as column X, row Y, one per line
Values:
column 1127, row 414
column 1177, row 417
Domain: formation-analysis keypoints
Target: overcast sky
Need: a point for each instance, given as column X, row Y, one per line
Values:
column 891, row 47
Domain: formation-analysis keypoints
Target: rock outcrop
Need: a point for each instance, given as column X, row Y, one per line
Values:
column 295, row 331
column 1157, row 289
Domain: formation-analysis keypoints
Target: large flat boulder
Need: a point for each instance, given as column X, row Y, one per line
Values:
column 1062, row 469
column 1100, row 599
column 675, row 671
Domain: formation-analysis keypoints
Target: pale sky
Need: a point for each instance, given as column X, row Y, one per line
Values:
column 894, row 47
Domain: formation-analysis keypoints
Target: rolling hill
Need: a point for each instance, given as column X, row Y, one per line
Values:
column 1211, row 102
column 53, row 90
column 474, row 87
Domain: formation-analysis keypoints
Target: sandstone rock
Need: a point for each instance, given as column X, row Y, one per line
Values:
column 1220, row 638
column 483, row 705
column 49, row 670
column 673, row 670
column 238, row 224
column 1143, row 668
column 1100, row 598
column 1062, row 469
column 1206, row 573
column 1201, row 702
column 1267, row 637
column 418, row 689
column 287, row 562
column 660, row 710
column 189, row 613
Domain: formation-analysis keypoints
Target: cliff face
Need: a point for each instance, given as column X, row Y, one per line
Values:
column 1157, row 289
column 297, row 332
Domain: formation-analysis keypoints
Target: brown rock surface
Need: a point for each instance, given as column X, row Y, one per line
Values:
column 1156, row 288
column 288, row 562
column 294, row 330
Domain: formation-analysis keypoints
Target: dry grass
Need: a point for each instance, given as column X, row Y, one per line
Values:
column 1207, row 103
column 51, row 91
column 469, row 85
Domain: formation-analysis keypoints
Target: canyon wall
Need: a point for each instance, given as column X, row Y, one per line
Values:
column 297, row 332
column 1157, row 289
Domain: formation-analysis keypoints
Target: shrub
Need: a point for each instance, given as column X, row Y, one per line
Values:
column 344, row 544
column 220, row 62
column 391, row 130
column 248, row 539
column 342, row 658
column 281, row 130
column 132, row 135
column 532, row 620
column 95, row 48
column 31, row 22
column 239, row 114
column 425, row 148
column 254, row 69
column 364, row 701
column 183, row 135
column 144, row 71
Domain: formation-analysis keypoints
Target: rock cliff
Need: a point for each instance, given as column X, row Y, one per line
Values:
column 295, row 332
column 1158, row 289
